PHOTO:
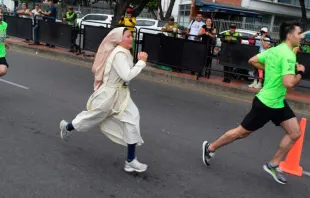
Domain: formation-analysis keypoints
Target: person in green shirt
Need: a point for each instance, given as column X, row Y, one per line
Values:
column 3, row 45
column 171, row 27
column 70, row 18
column 269, row 104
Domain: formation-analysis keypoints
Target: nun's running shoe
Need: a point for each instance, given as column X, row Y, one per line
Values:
column 135, row 166
column 64, row 133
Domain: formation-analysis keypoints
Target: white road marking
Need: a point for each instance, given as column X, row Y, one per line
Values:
column 306, row 173
column 14, row 84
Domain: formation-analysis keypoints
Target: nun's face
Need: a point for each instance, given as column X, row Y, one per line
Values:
column 127, row 40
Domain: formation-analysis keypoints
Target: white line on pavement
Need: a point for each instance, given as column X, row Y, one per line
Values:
column 306, row 173
column 14, row 84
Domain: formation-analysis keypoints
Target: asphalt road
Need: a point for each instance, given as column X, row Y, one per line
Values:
column 35, row 162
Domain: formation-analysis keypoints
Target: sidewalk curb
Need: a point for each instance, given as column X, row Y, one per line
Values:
column 150, row 73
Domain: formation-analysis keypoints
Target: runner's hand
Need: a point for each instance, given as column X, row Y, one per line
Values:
column 142, row 56
column 300, row 67
column 7, row 46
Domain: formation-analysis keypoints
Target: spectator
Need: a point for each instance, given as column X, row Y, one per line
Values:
column 50, row 16
column 231, row 36
column 306, row 44
column 130, row 22
column 171, row 27
column 194, row 28
column 71, row 19
column 262, row 40
column 24, row 12
column 208, row 34
column 36, row 13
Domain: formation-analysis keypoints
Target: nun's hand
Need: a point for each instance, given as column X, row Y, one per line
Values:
column 142, row 56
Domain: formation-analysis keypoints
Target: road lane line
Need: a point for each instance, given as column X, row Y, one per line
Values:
column 14, row 84
column 306, row 173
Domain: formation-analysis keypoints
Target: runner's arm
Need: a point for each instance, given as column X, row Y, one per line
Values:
column 289, row 80
column 256, row 63
column 123, row 69
column 289, row 77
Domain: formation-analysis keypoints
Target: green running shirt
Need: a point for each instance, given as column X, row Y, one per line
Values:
column 3, row 28
column 279, row 61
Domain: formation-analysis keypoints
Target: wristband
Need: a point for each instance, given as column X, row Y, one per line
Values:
column 301, row 73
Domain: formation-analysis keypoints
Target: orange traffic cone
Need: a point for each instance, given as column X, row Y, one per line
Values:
column 291, row 163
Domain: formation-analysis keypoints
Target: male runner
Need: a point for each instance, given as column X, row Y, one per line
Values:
column 269, row 104
column 3, row 64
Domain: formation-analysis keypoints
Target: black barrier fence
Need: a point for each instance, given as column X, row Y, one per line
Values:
column 234, row 56
column 304, row 59
column 19, row 27
column 54, row 33
column 93, row 36
column 173, row 52
column 231, row 55
column 178, row 53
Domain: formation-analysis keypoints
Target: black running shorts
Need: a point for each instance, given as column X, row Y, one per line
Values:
column 260, row 115
column 3, row 62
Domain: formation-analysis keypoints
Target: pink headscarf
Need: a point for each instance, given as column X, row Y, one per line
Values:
column 106, row 47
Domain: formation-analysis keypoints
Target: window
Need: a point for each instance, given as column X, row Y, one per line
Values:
column 295, row 2
column 184, row 13
column 96, row 17
column 145, row 23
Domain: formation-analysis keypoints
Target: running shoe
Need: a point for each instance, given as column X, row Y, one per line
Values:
column 135, row 166
column 64, row 133
column 206, row 154
column 276, row 173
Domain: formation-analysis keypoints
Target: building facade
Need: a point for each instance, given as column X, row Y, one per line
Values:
column 276, row 11
column 271, row 12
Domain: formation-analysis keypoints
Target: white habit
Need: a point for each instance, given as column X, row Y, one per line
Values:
column 111, row 106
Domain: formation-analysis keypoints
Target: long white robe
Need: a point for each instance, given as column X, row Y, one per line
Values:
column 111, row 106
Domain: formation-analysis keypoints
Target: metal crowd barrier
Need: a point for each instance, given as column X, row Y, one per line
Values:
column 179, row 53
column 19, row 27
column 92, row 36
column 234, row 56
column 173, row 52
column 54, row 33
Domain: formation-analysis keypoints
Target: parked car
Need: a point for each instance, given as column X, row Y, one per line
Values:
column 98, row 20
column 153, row 26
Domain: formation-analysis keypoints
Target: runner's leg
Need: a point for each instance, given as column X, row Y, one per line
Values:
column 254, row 120
column 229, row 137
column 293, row 132
column 285, row 118
column 3, row 70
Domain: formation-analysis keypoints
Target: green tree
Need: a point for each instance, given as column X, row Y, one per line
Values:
column 169, row 11
column 150, row 5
